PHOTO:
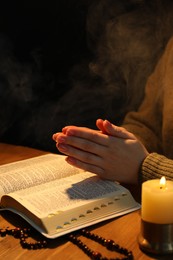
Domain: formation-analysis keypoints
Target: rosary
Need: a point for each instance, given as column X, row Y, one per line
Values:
column 24, row 233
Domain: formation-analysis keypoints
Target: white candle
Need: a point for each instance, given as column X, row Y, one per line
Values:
column 157, row 201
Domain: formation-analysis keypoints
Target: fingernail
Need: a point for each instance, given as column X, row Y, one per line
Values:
column 108, row 123
column 70, row 132
column 71, row 160
column 64, row 129
column 53, row 136
column 60, row 139
column 62, row 147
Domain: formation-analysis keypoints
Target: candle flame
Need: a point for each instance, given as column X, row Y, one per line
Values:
column 162, row 182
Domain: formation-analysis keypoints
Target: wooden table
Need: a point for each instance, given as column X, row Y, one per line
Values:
column 123, row 230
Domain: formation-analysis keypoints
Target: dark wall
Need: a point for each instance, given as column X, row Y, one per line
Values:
column 50, row 32
column 40, row 41
column 69, row 62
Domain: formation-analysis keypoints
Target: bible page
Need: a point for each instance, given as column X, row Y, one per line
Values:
column 64, row 194
column 31, row 172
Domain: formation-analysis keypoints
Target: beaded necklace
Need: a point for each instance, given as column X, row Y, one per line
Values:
column 109, row 244
column 24, row 233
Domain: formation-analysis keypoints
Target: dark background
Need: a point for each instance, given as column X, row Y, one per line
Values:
column 71, row 61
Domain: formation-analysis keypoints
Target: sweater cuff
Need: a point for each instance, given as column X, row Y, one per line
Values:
column 155, row 166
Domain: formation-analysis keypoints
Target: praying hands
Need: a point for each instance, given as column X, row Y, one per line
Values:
column 111, row 151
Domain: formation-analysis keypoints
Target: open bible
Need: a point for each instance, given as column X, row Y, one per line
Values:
column 56, row 198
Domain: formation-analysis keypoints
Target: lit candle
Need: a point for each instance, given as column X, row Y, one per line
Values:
column 157, row 201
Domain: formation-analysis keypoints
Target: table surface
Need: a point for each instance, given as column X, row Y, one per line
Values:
column 123, row 230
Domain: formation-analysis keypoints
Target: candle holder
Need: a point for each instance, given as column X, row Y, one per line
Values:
column 156, row 238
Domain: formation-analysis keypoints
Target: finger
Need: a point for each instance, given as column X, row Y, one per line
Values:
column 81, row 144
column 83, row 156
column 85, row 166
column 64, row 129
column 117, row 131
column 88, row 134
column 55, row 136
column 99, row 124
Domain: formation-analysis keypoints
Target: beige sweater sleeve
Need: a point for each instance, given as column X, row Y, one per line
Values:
column 146, row 123
column 150, row 124
column 155, row 166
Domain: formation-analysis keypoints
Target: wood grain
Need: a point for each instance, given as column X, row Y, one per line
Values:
column 123, row 230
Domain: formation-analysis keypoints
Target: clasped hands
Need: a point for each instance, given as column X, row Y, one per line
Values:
column 111, row 151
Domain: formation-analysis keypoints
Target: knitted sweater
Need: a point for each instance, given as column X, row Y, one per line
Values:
column 152, row 124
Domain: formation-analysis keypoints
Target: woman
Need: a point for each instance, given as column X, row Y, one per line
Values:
column 142, row 148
